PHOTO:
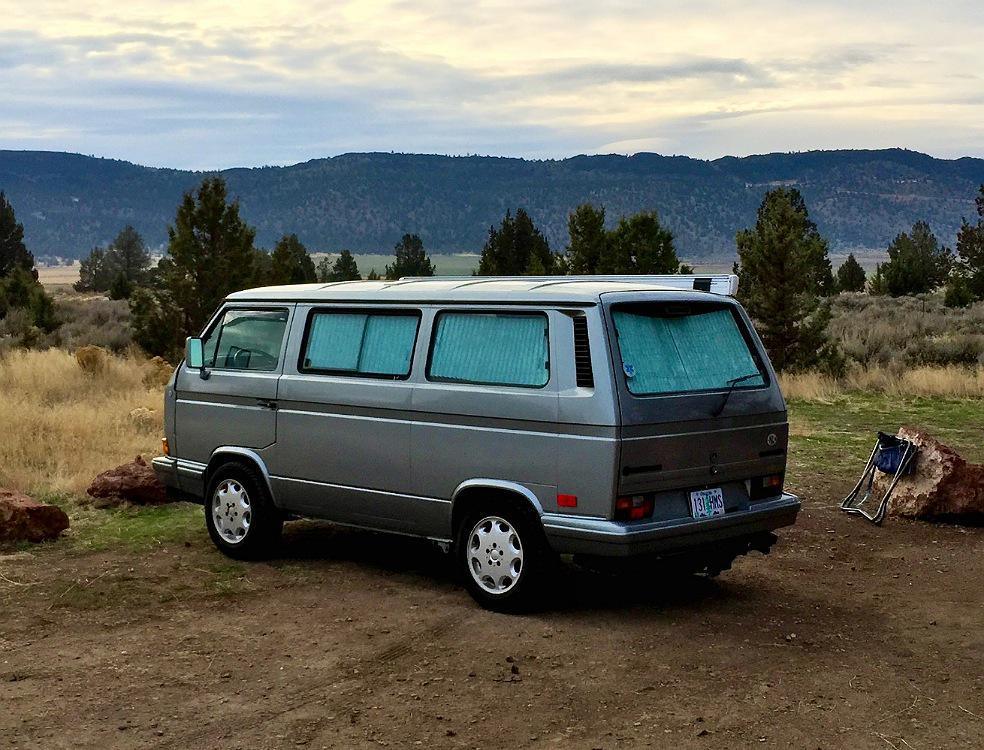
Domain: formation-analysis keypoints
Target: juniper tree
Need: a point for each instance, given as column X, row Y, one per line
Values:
column 210, row 254
column 121, row 266
column 970, row 250
column 411, row 260
column 589, row 240
column 850, row 276
column 784, row 269
column 13, row 251
column 290, row 262
column 917, row 263
column 517, row 248
column 344, row 269
column 640, row 244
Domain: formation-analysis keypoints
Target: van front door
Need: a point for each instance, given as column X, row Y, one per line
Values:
column 232, row 401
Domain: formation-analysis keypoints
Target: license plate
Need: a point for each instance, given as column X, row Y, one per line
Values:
column 707, row 503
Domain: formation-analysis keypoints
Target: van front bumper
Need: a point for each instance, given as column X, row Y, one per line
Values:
column 604, row 538
column 167, row 471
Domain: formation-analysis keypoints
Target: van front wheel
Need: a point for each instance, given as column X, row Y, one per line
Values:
column 239, row 513
column 503, row 557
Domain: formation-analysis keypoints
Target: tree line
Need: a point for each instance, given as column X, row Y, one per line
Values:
column 783, row 261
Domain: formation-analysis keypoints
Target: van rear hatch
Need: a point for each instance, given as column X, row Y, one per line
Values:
column 699, row 404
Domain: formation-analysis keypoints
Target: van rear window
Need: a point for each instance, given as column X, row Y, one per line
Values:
column 683, row 348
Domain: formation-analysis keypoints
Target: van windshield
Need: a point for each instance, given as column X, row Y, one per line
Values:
column 683, row 347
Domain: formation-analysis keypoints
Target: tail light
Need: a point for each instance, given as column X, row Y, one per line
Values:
column 767, row 486
column 165, row 448
column 633, row 508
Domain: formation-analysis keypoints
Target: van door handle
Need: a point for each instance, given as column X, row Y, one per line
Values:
column 267, row 404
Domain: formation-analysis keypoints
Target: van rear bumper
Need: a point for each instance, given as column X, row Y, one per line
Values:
column 599, row 536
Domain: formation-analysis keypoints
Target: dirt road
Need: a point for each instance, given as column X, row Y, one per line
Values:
column 846, row 636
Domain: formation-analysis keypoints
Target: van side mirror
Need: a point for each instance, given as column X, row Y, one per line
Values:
column 194, row 353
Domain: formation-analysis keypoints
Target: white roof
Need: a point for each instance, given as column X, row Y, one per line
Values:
column 555, row 289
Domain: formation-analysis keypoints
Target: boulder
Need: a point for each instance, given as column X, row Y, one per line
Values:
column 943, row 486
column 25, row 519
column 134, row 482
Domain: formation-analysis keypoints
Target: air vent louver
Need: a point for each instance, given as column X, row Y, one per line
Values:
column 582, row 354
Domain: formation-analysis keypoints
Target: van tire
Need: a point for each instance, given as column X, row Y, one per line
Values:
column 250, row 529
column 518, row 523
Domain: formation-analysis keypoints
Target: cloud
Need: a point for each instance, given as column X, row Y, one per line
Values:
column 174, row 84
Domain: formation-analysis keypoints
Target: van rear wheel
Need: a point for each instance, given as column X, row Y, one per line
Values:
column 502, row 556
column 239, row 512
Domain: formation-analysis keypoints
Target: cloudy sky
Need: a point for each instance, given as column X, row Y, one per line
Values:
column 211, row 84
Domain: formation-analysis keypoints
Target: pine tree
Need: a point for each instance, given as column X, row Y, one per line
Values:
column 517, row 248
column 373, row 275
column 13, row 252
column 783, row 265
column 970, row 250
column 917, row 262
column 411, row 260
column 344, row 269
column 588, row 243
column 850, row 276
column 290, row 262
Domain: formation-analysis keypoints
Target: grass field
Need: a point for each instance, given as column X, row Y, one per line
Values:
column 459, row 264
column 73, row 424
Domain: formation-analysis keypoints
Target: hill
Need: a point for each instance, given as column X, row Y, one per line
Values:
column 859, row 199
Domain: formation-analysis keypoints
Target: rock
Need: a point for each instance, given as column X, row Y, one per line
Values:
column 134, row 482
column 943, row 486
column 25, row 519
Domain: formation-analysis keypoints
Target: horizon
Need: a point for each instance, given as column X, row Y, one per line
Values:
column 197, row 87
column 707, row 160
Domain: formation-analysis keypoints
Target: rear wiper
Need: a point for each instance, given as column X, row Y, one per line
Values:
column 731, row 389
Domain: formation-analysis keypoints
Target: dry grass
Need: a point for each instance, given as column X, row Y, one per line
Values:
column 62, row 425
column 942, row 382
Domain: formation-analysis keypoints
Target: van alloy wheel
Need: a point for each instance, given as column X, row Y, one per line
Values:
column 495, row 555
column 231, row 511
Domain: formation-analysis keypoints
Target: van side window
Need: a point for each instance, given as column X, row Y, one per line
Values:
column 246, row 340
column 490, row 349
column 358, row 343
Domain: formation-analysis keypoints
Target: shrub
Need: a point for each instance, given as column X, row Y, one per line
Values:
column 91, row 359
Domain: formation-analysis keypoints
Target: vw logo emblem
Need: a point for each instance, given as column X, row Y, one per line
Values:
column 771, row 440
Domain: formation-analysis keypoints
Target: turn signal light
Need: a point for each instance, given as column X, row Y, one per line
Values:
column 633, row 508
column 164, row 447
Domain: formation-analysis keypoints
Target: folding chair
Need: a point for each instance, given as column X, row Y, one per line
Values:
column 891, row 455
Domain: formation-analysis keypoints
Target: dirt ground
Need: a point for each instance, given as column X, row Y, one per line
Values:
column 845, row 636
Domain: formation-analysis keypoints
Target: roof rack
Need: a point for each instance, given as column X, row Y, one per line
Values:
column 725, row 283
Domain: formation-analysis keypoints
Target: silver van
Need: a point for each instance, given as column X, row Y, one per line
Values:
column 511, row 420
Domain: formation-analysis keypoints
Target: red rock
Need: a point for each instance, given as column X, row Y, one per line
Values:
column 25, row 519
column 134, row 482
column 943, row 486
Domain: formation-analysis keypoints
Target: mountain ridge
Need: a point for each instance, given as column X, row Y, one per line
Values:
column 366, row 201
